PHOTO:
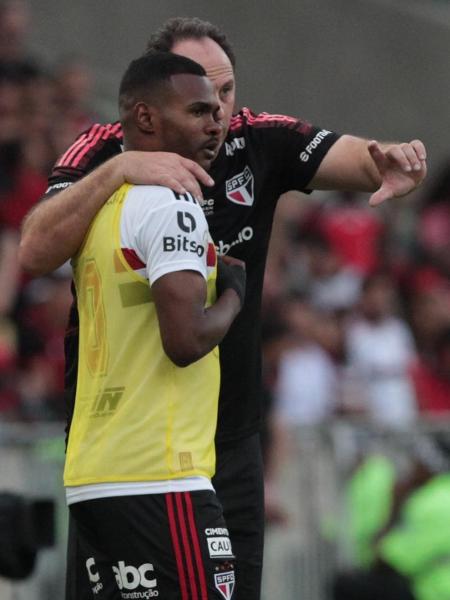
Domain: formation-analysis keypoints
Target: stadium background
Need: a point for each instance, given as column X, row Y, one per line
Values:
column 377, row 68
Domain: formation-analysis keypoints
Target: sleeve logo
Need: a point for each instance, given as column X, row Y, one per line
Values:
column 186, row 221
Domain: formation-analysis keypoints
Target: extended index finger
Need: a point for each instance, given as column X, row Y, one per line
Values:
column 377, row 154
column 199, row 172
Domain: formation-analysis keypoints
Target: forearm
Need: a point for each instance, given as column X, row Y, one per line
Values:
column 207, row 329
column 217, row 320
column 388, row 170
column 348, row 166
column 54, row 230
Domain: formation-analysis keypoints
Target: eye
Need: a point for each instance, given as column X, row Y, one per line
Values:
column 198, row 111
column 226, row 90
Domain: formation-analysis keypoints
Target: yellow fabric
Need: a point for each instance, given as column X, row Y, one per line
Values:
column 137, row 416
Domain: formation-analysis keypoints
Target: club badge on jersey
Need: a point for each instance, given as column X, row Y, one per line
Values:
column 240, row 188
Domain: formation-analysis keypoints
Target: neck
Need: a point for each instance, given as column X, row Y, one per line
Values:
column 138, row 142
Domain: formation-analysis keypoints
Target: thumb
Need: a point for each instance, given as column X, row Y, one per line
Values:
column 378, row 197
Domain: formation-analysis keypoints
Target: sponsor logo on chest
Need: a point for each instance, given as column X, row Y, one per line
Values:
column 236, row 144
column 240, row 188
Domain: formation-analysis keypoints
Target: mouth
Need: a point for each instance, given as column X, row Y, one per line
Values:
column 211, row 149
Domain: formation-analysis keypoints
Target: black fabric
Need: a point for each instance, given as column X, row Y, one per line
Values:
column 239, row 484
column 381, row 583
column 17, row 548
column 125, row 548
column 230, row 276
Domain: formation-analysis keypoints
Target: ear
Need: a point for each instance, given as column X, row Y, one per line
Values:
column 144, row 116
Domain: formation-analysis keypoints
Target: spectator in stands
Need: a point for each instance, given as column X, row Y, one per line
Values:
column 380, row 350
column 431, row 378
column 306, row 389
column 353, row 231
column 412, row 553
column 434, row 223
column 20, row 185
column 72, row 101
column 333, row 286
column 429, row 306
column 14, row 26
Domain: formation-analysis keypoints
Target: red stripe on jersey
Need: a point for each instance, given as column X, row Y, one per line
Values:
column 77, row 145
column 262, row 119
column 65, row 158
column 196, row 544
column 186, row 547
column 132, row 259
column 116, row 130
column 85, row 139
column 211, row 255
column 83, row 151
column 176, row 546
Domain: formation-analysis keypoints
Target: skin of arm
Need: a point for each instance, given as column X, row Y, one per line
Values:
column 189, row 330
column 55, row 228
column 9, row 270
column 388, row 170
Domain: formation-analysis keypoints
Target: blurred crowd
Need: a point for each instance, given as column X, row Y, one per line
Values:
column 42, row 109
column 357, row 309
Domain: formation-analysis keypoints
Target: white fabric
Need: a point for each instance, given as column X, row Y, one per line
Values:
column 151, row 215
column 81, row 493
column 379, row 355
column 306, row 386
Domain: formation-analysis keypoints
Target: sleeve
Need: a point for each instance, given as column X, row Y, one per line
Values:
column 89, row 150
column 303, row 150
column 293, row 147
column 167, row 232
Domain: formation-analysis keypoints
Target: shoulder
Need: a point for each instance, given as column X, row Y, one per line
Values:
column 94, row 138
column 151, row 204
column 246, row 118
column 156, row 197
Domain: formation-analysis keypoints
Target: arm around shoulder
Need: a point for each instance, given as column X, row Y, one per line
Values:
column 54, row 229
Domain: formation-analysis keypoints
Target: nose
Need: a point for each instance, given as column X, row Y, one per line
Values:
column 219, row 113
column 215, row 124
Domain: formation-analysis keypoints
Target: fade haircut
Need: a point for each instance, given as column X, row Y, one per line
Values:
column 146, row 76
column 186, row 28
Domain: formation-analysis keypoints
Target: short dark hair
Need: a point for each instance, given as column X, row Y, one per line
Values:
column 185, row 28
column 145, row 75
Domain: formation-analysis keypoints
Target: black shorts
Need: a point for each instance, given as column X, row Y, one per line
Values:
column 173, row 546
column 239, row 484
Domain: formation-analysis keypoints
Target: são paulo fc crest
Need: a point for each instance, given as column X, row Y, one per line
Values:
column 225, row 583
column 240, row 188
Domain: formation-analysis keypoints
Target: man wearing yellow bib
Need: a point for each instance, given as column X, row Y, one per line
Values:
column 152, row 310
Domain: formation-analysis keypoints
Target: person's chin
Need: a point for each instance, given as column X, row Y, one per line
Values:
column 205, row 158
column 205, row 163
